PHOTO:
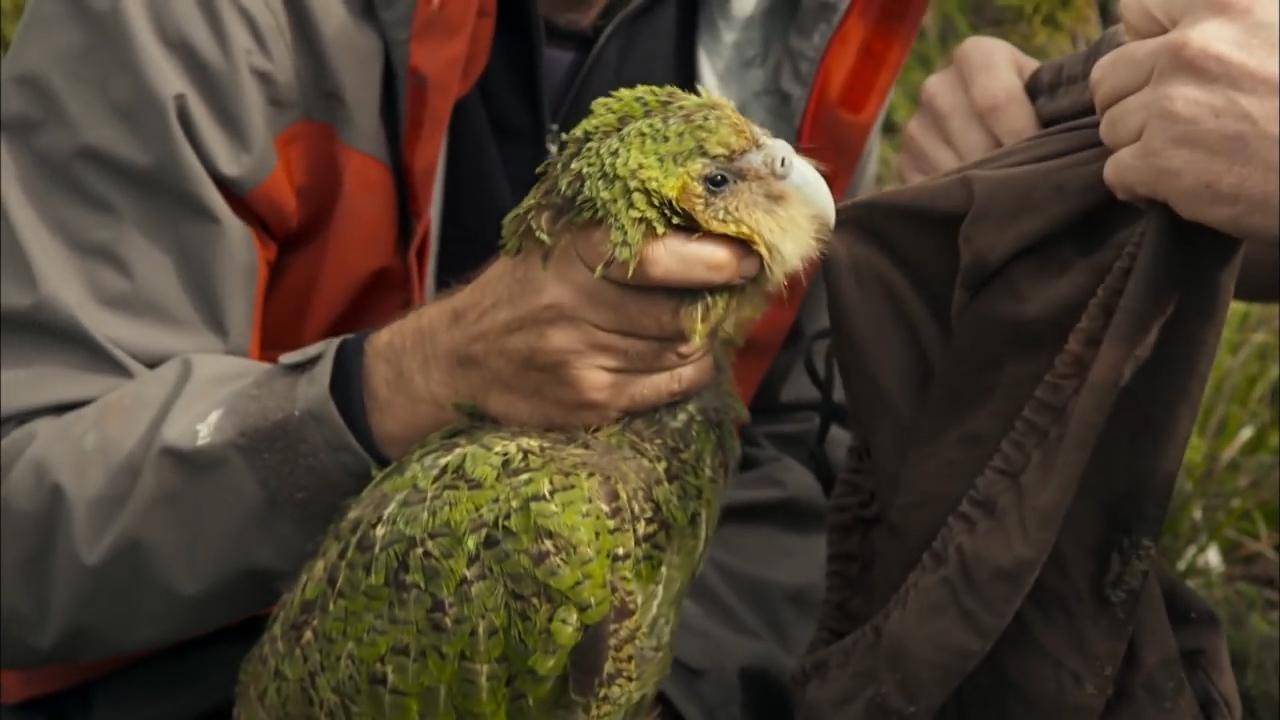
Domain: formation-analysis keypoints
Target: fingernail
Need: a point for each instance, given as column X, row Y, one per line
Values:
column 748, row 266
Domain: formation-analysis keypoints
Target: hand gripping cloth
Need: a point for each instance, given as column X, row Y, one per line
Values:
column 1024, row 356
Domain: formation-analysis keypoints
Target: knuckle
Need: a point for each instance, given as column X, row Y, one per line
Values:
column 1096, row 77
column 1119, row 175
column 933, row 90
column 976, row 48
column 1181, row 46
column 1174, row 100
column 559, row 341
column 912, row 134
column 686, row 350
column 1113, row 177
column 592, row 388
column 549, row 300
column 1207, row 58
column 991, row 102
column 1126, row 8
column 1185, row 48
column 1106, row 131
column 673, row 353
column 1165, row 101
column 967, row 48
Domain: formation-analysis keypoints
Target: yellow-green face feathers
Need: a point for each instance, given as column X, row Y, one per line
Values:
column 649, row 159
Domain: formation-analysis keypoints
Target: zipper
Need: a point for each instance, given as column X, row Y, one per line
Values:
column 544, row 112
column 553, row 125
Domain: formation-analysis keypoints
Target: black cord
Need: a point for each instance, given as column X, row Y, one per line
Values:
column 830, row 412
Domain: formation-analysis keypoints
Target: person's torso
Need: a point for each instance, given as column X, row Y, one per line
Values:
column 327, row 278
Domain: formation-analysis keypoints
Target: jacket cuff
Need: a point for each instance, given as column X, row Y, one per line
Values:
column 347, row 465
column 346, row 387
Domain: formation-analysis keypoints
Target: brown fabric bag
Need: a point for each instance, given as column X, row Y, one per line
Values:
column 1023, row 357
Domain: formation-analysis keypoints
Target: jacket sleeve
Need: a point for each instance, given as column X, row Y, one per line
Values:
column 156, row 483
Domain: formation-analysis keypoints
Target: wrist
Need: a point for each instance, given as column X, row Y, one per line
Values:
column 409, row 384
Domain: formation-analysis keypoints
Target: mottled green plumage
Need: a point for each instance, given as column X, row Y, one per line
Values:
column 627, row 164
column 514, row 573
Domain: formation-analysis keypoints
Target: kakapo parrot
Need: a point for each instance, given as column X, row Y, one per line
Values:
column 510, row 572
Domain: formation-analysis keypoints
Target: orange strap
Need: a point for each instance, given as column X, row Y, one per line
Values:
column 448, row 51
column 852, row 82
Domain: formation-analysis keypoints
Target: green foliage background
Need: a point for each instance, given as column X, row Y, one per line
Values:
column 1222, row 532
column 9, row 12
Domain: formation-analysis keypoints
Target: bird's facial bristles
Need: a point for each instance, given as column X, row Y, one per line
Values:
column 769, row 197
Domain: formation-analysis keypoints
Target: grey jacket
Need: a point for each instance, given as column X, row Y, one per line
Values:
column 158, row 483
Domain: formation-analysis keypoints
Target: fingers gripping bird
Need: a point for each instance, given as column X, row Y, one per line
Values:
column 507, row 572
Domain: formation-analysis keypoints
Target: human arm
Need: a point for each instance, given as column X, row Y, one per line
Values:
column 1223, row 128
column 156, row 482
column 1189, row 105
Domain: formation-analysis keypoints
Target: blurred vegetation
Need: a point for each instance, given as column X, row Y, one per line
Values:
column 1222, row 532
column 9, row 12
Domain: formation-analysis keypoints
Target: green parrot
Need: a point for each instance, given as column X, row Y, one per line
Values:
column 510, row 572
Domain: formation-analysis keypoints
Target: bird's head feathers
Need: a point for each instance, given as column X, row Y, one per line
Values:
column 648, row 159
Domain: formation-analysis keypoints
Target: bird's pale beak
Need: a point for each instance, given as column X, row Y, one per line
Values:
column 788, row 166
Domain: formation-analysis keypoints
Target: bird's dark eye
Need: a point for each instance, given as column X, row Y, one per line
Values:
column 716, row 181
